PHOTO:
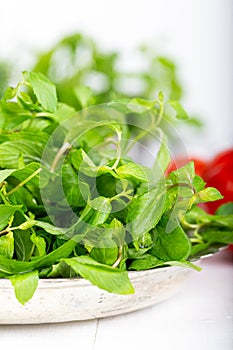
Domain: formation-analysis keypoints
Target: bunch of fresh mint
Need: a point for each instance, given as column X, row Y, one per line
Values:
column 74, row 203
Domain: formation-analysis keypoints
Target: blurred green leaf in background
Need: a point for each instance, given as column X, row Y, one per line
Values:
column 76, row 62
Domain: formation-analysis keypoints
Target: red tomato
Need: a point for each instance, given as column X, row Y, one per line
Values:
column 224, row 159
column 199, row 164
column 231, row 247
column 219, row 174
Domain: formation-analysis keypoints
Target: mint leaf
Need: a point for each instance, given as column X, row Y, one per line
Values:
column 83, row 94
column 40, row 245
column 170, row 246
column 105, row 277
column 23, row 245
column 185, row 174
column 225, row 209
column 209, row 194
column 145, row 211
column 106, row 253
column 149, row 262
column 29, row 145
column 133, row 171
column 7, row 245
column 163, row 158
column 6, row 212
column 53, row 230
column 5, row 173
column 198, row 183
column 146, row 262
column 44, row 90
column 212, row 235
column 25, row 285
column 180, row 112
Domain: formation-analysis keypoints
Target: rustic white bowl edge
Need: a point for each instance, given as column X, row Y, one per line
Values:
column 61, row 300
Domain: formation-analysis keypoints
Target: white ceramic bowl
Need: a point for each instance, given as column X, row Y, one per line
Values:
column 59, row 300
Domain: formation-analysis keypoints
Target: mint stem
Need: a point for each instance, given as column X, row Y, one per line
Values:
column 21, row 184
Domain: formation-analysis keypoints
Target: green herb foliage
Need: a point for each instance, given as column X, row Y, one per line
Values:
column 91, row 76
column 73, row 203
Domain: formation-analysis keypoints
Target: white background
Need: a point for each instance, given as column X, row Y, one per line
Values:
column 197, row 34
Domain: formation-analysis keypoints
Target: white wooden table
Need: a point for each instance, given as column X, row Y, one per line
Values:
column 199, row 316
